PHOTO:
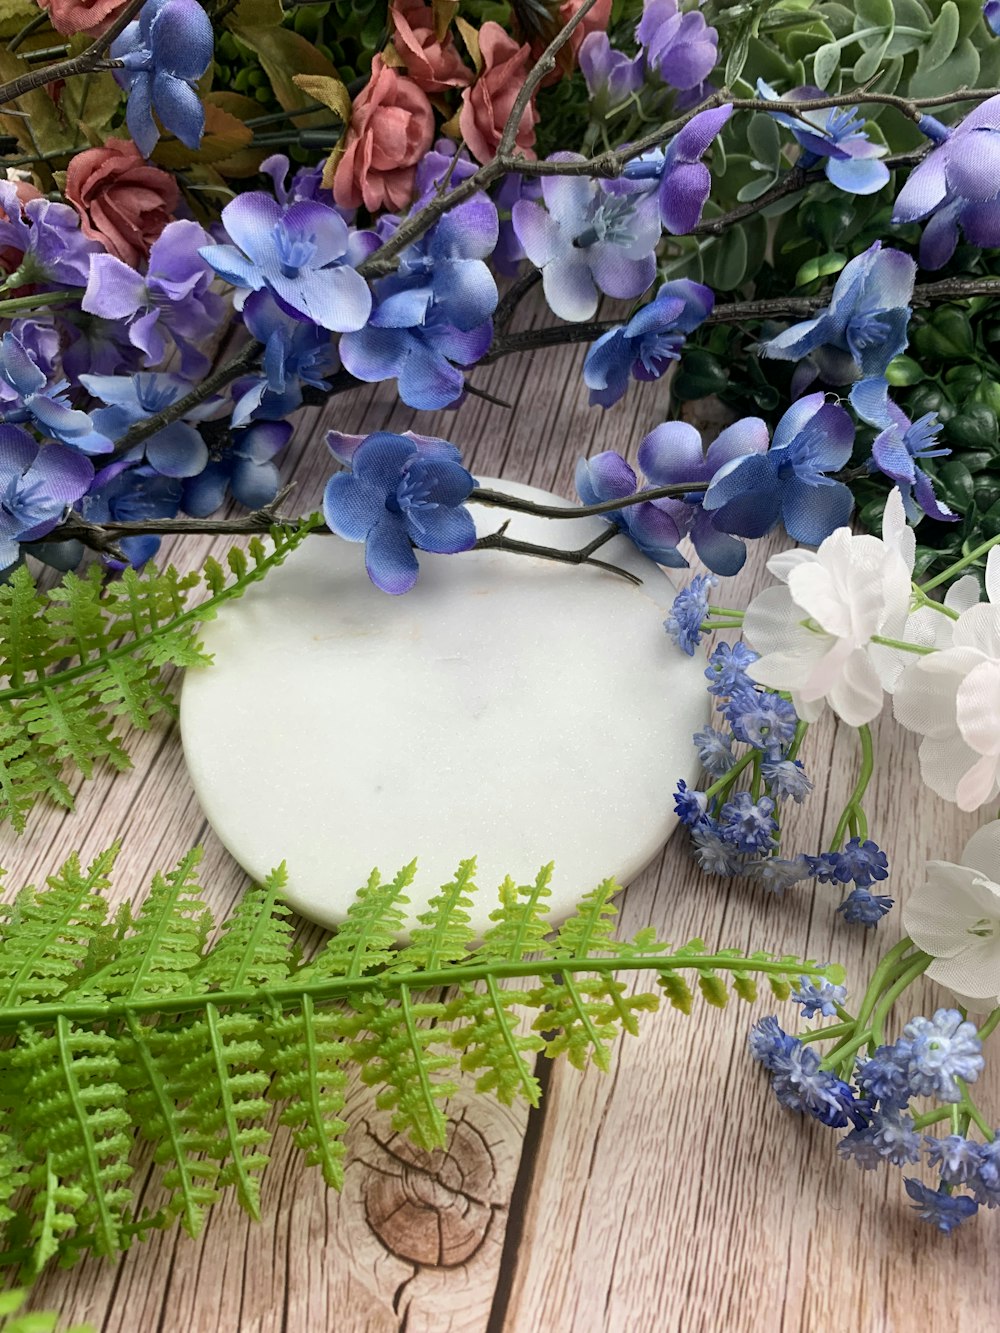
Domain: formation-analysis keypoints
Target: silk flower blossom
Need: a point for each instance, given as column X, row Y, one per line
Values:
column 955, row 917
column 952, row 699
column 814, row 632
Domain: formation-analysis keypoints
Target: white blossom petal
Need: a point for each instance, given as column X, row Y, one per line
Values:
column 857, row 696
column 977, row 708
column 982, row 853
column 944, row 762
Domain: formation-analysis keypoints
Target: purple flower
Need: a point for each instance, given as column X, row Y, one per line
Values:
column 863, row 327
column 986, row 1182
column 769, row 1044
column 36, row 487
column 778, row 874
column 764, row 720
column 26, row 395
column 886, row 1075
column 131, row 492
column 611, row 76
column 956, row 185
column 650, row 524
column 821, row 998
column 173, row 298
column 164, row 53
column 176, row 450
column 862, row 862
column 786, row 779
column 672, row 455
column 748, row 824
column 800, row 1085
column 861, row 908
column 690, row 806
column 648, row 343
column 835, row 137
column 943, row 1049
column 713, row 853
column 958, row 1159
column 944, row 1211
column 400, row 494
column 54, row 249
column 509, row 251
column 684, row 180
column 714, row 749
column 749, row 495
column 443, row 167
column 245, row 469
column 895, row 453
column 306, row 184
column 991, row 13
column 591, row 236
column 448, row 261
column 302, row 254
column 727, row 669
column 688, row 611
column 295, row 353
column 680, row 48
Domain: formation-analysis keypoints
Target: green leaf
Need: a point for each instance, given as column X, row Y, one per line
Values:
column 942, row 41
column 764, row 138
column 960, row 70
column 826, row 62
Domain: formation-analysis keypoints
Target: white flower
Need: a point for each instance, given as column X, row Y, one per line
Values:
column 952, row 699
column 814, row 634
column 955, row 916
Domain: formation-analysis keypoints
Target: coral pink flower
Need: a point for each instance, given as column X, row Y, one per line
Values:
column 90, row 16
column 432, row 65
column 489, row 102
column 392, row 127
column 123, row 201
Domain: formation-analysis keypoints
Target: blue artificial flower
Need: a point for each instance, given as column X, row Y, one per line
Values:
column 449, row 260
column 649, row 343
column 680, row 48
column 991, row 13
column 895, row 453
column 864, row 326
column 786, row 779
column 777, row 874
column 650, row 524
column 727, row 668
column 672, row 455
column 764, row 720
column 53, row 249
column 26, row 395
column 956, row 185
column 944, row 1211
column 749, row 495
column 690, row 805
column 885, row 1076
column 862, row 863
column 303, row 254
column 714, row 749
column 859, row 1147
column 164, row 53
column 245, row 470
column 714, row 855
column 37, row 485
column 769, row 1044
column 177, row 450
column 824, row 867
column 895, row 1138
column 400, row 494
column 748, row 824
column 834, row 137
column 985, row 1183
column 861, row 908
column 132, row 492
column 295, row 353
column 684, row 180
column 611, row 76
column 800, row 1085
column 942, row 1049
column 821, row 998
column 689, row 610
column 590, row 237
column 957, row 1158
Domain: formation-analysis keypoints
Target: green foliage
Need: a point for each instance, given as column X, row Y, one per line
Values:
column 14, row 1320
column 85, row 656
column 128, row 1026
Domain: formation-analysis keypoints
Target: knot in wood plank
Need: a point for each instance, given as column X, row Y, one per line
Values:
column 433, row 1208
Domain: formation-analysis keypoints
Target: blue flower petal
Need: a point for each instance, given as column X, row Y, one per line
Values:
column 810, row 513
column 444, row 530
column 389, row 558
column 352, row 508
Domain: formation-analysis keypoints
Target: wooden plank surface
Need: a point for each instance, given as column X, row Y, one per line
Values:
column 672, row 1193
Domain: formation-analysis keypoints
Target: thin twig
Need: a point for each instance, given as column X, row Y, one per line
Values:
column 87, row 62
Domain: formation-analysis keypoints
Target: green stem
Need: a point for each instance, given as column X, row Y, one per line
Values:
column 901, row 645
column 881, row 977
column 852, row 810
column 923, row 600
column 726, row 781
column 973, row 1112
column 291, row 993
column 915, row 968
column 822, row 1034
column 988, row 1027
column 932, row 1117
column 15, row 304
column 975, row 554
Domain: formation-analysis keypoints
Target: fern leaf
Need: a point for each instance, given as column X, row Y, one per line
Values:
column 677, row 990
column 442, row 934
column 163, row 945
column 11, row 1303
column 521, row 920
column 49, row 934
column 309, row 1056
column 28, row 643
column 373, row 925
column 490, row 1042
column 255, row 946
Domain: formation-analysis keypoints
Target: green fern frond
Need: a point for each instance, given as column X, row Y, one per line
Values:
column 13, row 1320
column 132, row 1026
column 84, row 657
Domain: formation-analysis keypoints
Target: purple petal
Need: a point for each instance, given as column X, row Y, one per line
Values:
column 538, row 233
column 249, row 219
column 606, row 476
column 177, row 451
column 379, row 460
column 891, row 456
column 444, row 530
column 981, row 223
column 206, row 492
column 139, row 114
column 722, row 553
column 352, row 507
column 619, row 276
column 179, row 108
column 748, row 436
column 672, row 454
column 181, row 35
column 334, row 298
column 427, row 380
column 17, row 450
column 923, row 490
column 796, row 419
column 937, row 245
column 389, row 557
column 811, row 513
column 21, row 373
column 653, row 529
column 569, row 287
column 925, row 189
column 254, row 484
column 744, row 497
column 469, row 231
column 858, row 175
column 696, row 136
column 567, row 198
column 682, row 195
column 233, row 266
column 375, row 354
column 66, row 473
column 114, row 291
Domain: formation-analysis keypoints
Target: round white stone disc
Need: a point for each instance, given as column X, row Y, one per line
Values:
column 508, row 708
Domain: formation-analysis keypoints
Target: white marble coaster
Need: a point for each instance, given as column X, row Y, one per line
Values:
column 507, row 708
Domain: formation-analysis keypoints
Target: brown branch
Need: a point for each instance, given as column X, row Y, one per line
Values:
column 87, row 62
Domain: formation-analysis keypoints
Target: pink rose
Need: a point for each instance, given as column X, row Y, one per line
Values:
column 123, row 201
column 392, row 126
column 432, row 65
column 489, row 102
column 91, row 16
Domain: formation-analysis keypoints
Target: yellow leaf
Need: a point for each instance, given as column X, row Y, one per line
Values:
column 444, row 11
column 224, row 135
column 331, row 92
column 255, row 14
column 470, row 36
column 41, row 130
column 392, row 58
column 246, row 161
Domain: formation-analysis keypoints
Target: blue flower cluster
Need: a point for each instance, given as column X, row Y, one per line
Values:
column 736, row 831
column 930, row 1059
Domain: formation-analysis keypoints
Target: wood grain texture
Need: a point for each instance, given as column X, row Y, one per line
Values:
column 672, row 1193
